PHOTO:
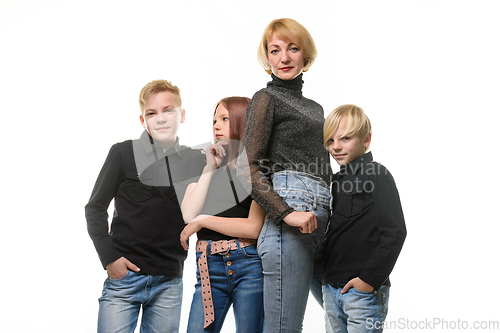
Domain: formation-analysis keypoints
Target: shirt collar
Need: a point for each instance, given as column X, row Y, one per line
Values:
column 357, row 164
column 145, row 140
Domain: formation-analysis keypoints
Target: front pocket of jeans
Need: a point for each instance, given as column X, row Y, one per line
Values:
column 371, row 292
column 120, row 278
column 250, row 251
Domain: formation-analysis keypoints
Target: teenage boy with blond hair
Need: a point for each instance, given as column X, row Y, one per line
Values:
column 366, row 231
column 142, row 252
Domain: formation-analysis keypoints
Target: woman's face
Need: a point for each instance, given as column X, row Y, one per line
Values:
column 286, row 58
column 221, row 123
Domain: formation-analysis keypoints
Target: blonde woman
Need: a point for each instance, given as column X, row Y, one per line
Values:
column 290, row 173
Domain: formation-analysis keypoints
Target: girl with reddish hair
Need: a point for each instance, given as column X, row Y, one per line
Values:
column 227, row 221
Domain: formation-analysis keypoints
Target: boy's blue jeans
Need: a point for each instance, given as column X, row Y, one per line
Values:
column 235, row 278
column 121, row 300
column 355, row 311
column 292, row 262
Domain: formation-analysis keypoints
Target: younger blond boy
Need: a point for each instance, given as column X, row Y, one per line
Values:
column 142, row 253
column 366, row 230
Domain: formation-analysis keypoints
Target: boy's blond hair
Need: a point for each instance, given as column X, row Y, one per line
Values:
column 290, row 31
column 357, row 123
column 155, row 87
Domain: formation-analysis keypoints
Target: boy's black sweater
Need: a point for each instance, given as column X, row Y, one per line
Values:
column 367, row 227
column 147, row 221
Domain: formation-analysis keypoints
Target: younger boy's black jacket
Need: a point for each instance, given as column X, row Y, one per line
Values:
column 367, row 227
column 147, row 220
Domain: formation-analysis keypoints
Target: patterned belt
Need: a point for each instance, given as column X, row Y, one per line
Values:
column 223, row 246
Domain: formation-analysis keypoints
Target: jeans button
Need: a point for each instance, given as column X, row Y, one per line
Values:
column 227, row 255
column 229, row 263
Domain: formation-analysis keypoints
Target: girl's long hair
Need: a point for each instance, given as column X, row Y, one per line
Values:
column 237, row 109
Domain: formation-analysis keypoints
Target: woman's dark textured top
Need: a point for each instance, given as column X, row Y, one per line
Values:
column 283, row 131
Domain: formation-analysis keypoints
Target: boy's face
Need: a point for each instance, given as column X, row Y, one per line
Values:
column 346, row 149
column 162, row 116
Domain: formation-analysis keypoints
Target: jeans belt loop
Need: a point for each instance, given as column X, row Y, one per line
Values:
column 238, row 246
column 222, row 246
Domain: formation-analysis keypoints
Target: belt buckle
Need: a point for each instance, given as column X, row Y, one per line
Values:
column 228, row 247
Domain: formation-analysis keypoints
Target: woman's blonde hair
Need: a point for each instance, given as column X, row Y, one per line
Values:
column 288, row 30
column 357, row 122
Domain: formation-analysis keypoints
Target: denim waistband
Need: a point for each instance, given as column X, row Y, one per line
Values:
column 303, row 184
column 337, row 285
column 340, row 285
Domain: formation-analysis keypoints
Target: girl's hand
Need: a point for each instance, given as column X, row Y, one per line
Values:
column 189, row 229
column 215, row 153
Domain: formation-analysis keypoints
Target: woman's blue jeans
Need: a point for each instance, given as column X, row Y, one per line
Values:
column 292, row 261
column 236, row 278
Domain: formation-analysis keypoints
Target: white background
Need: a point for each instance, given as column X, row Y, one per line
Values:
column 426, row 72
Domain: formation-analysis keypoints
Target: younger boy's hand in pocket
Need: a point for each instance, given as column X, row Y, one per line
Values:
column 357, row 284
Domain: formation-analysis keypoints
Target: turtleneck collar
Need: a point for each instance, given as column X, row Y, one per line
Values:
column 293, row 84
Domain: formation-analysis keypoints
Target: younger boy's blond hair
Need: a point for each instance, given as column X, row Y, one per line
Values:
column 357, row 123
column 155, row 87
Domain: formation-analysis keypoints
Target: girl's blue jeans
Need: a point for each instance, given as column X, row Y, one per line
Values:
column 292, row 261
column 236, row 279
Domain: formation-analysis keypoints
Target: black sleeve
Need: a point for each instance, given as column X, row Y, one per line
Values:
column 255, row 144
column 96, row 210
column 196, row 168
column 192, row 172
column 392, row 231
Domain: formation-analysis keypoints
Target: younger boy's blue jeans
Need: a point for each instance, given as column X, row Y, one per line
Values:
column 159, row 296
column 355, row 311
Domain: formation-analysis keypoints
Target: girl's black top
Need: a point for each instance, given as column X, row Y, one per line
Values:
column 226, row 197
